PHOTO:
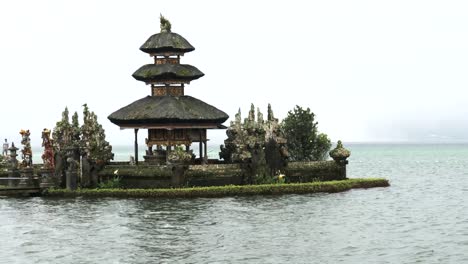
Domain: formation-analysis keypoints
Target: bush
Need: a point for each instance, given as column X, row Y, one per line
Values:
column 111, row 184
column 304, row 141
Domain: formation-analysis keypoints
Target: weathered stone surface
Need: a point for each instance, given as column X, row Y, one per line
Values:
column 258, row 144
column 340, row 154
column 145, row 176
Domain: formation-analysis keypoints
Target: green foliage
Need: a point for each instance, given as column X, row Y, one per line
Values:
column 230, row 190
column 179, row 155
column 111, row 184
column 303, row 140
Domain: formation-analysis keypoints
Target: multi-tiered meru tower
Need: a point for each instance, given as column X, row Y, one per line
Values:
column 171, row 117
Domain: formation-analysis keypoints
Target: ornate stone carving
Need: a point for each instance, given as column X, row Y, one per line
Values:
column 165, row 24
column 259, row 143
column 340, row 154
column 48, row 155
column 26, row 152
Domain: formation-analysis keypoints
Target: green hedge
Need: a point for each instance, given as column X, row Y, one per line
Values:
column 230, row 190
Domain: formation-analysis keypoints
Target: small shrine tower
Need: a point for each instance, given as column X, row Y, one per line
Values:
column 171, row 117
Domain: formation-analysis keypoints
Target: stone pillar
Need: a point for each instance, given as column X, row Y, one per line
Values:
column 71, row 175
column 26, row 178
column 85, row 172
column 178, row 178
column 47, row 179
column 340, row 155
column 13, row 168
column 13, row 173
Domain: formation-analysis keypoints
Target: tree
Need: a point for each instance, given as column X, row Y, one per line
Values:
column 304, row 141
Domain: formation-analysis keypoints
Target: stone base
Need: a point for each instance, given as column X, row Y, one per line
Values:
column 48, row 179
column 178, row 178
column 13, row 173
column 72, row 180
column 155, row 159
column 27, row 177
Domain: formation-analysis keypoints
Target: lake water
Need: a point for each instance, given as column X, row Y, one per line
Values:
column 421, row 218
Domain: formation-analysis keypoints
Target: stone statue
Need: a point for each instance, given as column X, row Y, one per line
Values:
column 26, row 152
column 5, row 148
column 73, row 165
column 48, row 155
column 165, row 24
column 259, row 117
column 72, row 172
column 271, row 117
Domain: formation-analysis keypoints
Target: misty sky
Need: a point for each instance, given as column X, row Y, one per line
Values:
column 369, row 70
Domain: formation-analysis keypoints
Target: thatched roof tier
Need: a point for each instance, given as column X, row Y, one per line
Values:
column 166, row 42
column 162, row 111
column 171, row 72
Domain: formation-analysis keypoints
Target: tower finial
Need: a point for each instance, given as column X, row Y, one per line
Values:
column 165, row 24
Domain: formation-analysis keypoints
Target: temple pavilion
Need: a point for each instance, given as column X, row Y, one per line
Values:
column 171, row 117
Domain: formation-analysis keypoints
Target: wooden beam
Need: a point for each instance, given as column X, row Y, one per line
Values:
column 170, row 126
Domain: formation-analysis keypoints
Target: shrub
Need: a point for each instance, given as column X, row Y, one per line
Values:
column 303, row 140
column 111, row 184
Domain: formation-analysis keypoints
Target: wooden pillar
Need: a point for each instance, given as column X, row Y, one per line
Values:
column 201, row 148
column 205, row 159
column 136, row 146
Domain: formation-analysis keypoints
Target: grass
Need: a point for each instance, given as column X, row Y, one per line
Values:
column 230, row 190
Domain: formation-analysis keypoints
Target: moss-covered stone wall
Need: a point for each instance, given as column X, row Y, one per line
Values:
column 315, row 171
column 148, row 176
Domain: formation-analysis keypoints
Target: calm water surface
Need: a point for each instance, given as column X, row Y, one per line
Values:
column 421, row 218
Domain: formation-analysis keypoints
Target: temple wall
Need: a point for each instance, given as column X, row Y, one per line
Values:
column 146, row 176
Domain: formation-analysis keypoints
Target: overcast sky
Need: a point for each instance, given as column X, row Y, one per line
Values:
column 369, row 70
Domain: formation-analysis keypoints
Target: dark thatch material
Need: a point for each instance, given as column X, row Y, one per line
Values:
column 166, row 42
column 160, row 72
column 168, row 109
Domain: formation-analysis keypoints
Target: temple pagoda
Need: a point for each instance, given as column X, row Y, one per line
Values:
column 171, row 117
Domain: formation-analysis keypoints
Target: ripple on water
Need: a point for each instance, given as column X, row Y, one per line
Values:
column 421, row 218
